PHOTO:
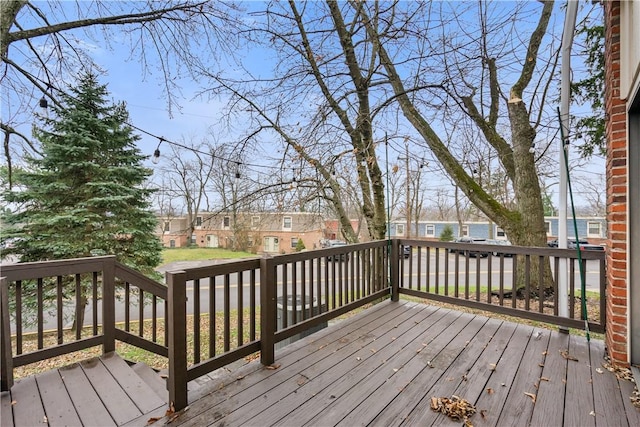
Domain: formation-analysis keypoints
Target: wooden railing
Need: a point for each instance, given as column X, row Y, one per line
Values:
column 506, row 279
column 222, row 313
column 285, row 296
column 39, row 298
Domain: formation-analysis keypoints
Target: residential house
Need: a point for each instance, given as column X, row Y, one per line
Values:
column 259, row 232
column 622, row 121
column 590, row 228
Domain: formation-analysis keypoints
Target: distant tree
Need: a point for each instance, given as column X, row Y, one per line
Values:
column 85, row 195
column 590, row 128
column 300, row 246
column 447, row 234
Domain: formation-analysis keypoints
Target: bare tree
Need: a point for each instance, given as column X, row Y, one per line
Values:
column 188, row 171
column 346, row 69
column 43, row 43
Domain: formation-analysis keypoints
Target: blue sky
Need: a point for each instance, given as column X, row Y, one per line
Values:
column 147, row 106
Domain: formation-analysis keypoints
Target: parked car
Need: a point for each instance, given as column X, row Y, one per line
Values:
column 500, row 242
column 337, row 257
column 468, row 252
column 571, row 244
column 406, row 251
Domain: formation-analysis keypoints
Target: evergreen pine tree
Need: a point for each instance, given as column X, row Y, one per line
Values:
column 85, row 195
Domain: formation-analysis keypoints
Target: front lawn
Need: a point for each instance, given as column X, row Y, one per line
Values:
column 200, row 254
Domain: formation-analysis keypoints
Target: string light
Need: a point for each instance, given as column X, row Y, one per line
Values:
column 156, row 154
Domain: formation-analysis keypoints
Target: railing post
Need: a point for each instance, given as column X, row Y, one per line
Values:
column 6, row 365
column 176, row 319
column 395, row 269
column 267, row 311
column 109, row 305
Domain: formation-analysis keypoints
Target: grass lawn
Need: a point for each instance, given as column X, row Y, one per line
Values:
column 200, row 254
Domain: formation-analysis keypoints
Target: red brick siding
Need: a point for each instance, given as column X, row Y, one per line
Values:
column 616, row 165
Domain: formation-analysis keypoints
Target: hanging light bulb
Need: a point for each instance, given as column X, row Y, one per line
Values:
column 156, row 156
column 43, row 102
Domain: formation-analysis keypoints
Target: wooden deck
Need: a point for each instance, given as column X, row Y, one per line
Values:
column 103, row 391
column 380, row 367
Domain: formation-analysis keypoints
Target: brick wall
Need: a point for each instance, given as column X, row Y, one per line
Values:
column 616, row 166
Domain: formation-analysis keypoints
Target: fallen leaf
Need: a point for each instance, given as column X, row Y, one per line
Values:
column 544, row 353
column 272, row 367
column 492, row 366
column 483, row 413
column 566, row 355
column 241, row 377
column 373, row 350
column 599, row 370
column 164, row 376
column 544, row 379
column 418, row 350
column 592, row 413
column 531, row 395
column 395, row 369
column 302, row 380
column 13, row 402
column 503, row 384
column 358, row 358
column 153, row 420
column 45, row 419
column 490, row 390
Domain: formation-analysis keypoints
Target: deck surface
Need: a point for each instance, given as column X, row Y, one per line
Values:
column 381, row 367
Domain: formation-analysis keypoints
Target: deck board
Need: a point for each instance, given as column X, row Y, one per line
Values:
column 380, row 367
column 28, row 409
column 549, row 408
column 6, row 414
column 132, row 385
column 579, row 408
column 519, row 406
column 504, row 370
column 57, row 403
column 478, row 376
column 606, row 388
column 117, row 402
column 90, row 408
column 452, row 377
column 349, row 387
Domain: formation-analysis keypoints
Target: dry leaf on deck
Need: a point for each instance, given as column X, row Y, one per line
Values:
column 153, row 420
column 490, row 390
column 531, row 395
column 566, row 355
column 272, row 367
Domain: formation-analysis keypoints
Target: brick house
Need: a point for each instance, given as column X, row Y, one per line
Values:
column 622, row 114
column 263, row 232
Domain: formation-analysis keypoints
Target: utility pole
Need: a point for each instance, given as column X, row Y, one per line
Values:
column 408, row 210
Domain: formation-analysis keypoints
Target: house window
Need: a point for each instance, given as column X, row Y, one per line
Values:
column 464, row 231
column 399, row 229
column 255, row 221
column 167, row 226
column 226, row 222
column 172, row 243
column 198, row 221
column 286, row 223
column 594, row 229
column 294, row 242
column 431, row 230
column 500, row 232
column 547, row 226
column 193, row 239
